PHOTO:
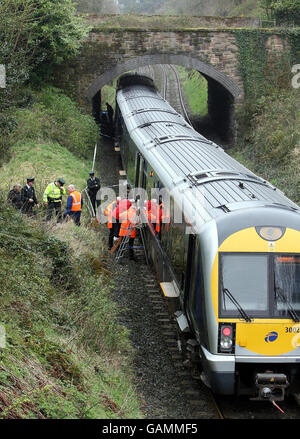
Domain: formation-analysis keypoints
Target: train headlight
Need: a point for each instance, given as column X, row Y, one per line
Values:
column 270, row 233
column 226, row 337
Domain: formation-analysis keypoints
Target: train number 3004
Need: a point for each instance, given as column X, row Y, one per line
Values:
column 292, row 329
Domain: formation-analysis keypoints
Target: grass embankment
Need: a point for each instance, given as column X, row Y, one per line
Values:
column 195, row 90
column 270, row 142
column 65, row 354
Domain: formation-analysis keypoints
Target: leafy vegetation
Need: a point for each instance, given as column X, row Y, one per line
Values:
column 284, row 11
column 35, row 35
column 65, row 355
column 270, row 145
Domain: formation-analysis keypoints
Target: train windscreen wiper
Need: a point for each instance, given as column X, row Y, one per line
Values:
column 284, row 299
column 238, row 306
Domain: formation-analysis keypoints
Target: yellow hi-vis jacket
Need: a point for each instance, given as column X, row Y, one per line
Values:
column 53, row 193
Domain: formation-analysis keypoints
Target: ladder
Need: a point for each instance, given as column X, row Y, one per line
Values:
column 136, row 224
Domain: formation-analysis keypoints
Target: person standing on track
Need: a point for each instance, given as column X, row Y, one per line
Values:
column 129, row 219
column 111, row 225
column 121, row 207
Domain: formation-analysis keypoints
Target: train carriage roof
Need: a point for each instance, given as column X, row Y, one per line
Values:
column 184, row 158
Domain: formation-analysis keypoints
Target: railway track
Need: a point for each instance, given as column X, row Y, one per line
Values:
column 167, row 80
column 202, row 401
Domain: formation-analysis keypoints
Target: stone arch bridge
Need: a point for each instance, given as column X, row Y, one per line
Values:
column 206, row 44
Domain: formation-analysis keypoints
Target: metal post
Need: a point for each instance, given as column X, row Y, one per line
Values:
column 95, row 152
column 89, row 204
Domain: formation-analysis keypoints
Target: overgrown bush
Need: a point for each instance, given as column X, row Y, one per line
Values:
column 270, row 145
column 284, row 11
column 276, row 127
column 35, row 35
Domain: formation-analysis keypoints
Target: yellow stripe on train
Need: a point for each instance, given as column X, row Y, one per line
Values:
column 268, row 339
column 248, row 240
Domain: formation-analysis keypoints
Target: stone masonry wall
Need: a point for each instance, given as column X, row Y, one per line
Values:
column 109, row 52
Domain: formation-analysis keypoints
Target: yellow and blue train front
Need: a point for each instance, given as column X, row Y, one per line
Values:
column 255, row 290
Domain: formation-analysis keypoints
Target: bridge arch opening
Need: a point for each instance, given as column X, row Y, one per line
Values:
column 222, row 92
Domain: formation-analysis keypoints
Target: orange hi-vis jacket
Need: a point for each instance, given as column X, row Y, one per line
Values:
column 152, row 210
column 76, row 204
column 129, row 221
column 108, row 212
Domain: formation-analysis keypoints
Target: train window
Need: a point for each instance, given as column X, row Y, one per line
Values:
column 131, row 162
column 150, row 180
column 195, row 296
column 178, row 250
column 143, row 169
column 287, row 284
column 174, row 241
column 244, row 284
column 138, row 167
column 166, row 232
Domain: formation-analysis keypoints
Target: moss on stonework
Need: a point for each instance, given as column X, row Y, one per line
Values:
column 252, row 59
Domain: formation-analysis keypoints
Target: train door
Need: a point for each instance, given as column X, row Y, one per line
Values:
column 193, row 297
column 142, row 173
column 188, row 272
column 138, row 169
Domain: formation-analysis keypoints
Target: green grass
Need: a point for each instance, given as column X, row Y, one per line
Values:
column 270, row 142
column 66, row 356
column 248, row 8
column 53, row 117
column 195, row 90
column 46, row 162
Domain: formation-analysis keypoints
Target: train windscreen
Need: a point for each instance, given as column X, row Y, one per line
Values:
column 245, row 278
column 287, row 284
column 259, row 285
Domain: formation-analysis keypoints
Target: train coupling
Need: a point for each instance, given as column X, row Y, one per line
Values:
column 270, row 386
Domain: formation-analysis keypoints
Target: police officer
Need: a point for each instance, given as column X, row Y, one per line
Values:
column 93, row 185
column 52, row 198
column 28, row 197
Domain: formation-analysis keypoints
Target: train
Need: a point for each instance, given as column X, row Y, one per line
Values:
column 232, row 263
